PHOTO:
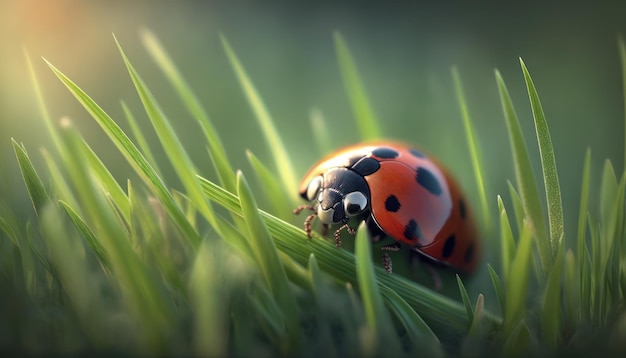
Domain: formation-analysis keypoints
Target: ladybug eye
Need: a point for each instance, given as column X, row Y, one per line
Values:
column 354, row 203
column 314, row 187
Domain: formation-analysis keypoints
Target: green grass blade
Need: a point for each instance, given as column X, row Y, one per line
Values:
column 321, row 133
column 476, row 327
column 172, row 146
column 474, row 150
column 622, row 57
column 507, row 243
column 466, row 300
column 518, row 208
column 139, row 137
column 36, row 190
column 279, row 152
column 379, row 328
column 552, row 303
column 582, row 212
column 60, row 186
column 134, row 157
column 323, row 300
column 269, row 262
column 417, row 330
column 517, row 282
column 366, row 120
column 217, row 152
column 497, row 287
column 272, row 189
column 525, row 179
column 548, row 164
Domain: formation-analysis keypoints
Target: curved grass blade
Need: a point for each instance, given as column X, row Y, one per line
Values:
column 272, row 137
column 472, row 143
column 582, row 212
column 321, row 133
column 60, row 186
column 379, row 327
column 466, row 300
column 548, row 164
column 366, row 120
column 272, row 189
column 507, row 242
column 518, row 208
column 172, row 146
column 440, row 312
column 217, row 152
column 517, row 283
column 479, row 309
column 134, row 157
column 269, row 262
column 497, row 287
column 525, row 179
column 36, row 190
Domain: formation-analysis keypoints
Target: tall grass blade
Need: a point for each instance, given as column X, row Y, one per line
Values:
column 217, row 152
column 366, row 120
column 548, row 164
column 466, row 300
column 36, row 190
column 518, row 208
column 321, row 134
column 552, row 303
column 517, row 283
column 497, row 287
column 272, row 189
column 507, row 242
column 134, row 157
column 622, row 57
column 269, row 262
column 525, row 179
column 582, row 213
column 472, row 144
column 140, row 137
column 279, row 152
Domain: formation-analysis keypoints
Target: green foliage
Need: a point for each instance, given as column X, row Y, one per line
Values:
column 152, row 270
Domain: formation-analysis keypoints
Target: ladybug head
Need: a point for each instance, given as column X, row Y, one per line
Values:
column 338, row 195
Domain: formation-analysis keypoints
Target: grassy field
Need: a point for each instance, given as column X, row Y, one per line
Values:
column 192, row 266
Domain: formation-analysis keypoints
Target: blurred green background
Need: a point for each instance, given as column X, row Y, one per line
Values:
column 404, row 53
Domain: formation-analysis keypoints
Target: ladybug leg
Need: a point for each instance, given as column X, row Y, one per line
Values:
column 435, row 275
column 387, row 264
column 307, row 221
column 337, row 234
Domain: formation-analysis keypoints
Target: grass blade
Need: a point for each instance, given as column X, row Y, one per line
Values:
column 37, row 192
column 134, row 157
column 548, row 164
column 216, row 150
column 507, row 243
column 272, row 189
column 622, row 58
column 466, row 299
column 273, row 139
column 269, row 262
column 321, row 133
column 582, row 213
column 366, row 120
column 472, row 143
column 497, row 287
column 517, row 283
column 525, row 179
column 551, row 304
column 139, row 137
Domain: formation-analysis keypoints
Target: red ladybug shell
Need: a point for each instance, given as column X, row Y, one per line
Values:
column 413, row 200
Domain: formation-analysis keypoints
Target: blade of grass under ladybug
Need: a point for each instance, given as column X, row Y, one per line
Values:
column 622, row 57
column 139, row 137
column 146, row 295
column 474, row 150
column 272, row 189
column 507, row 242
column 74, row 274
column 466, row 299
column 552, row 303
column 269, row 262
column 321, row 133
column 193, row 105
column 134, row 157
column 548, row 164
column 518, row 208
column 87, row 234
column 184, row 168
column 517, row 282
column 379, row 327
column 210, row 318
column 416, row 329
column 280, row 155
column 438, row 311
column 525, row 178
column 366, row 120
column 581, row 235
column 497, row 287
column 36, row 190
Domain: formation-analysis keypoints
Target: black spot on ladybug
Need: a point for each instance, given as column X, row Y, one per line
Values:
column 462, row 208
column 416, row 153
column 469, row 254
column 448, row 247
column 428, row 181
column 385, row 153
column 392, row 204
column 412, row 231
column 366, row 166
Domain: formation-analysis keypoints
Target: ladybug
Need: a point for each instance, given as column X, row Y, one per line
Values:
column 400, row 193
